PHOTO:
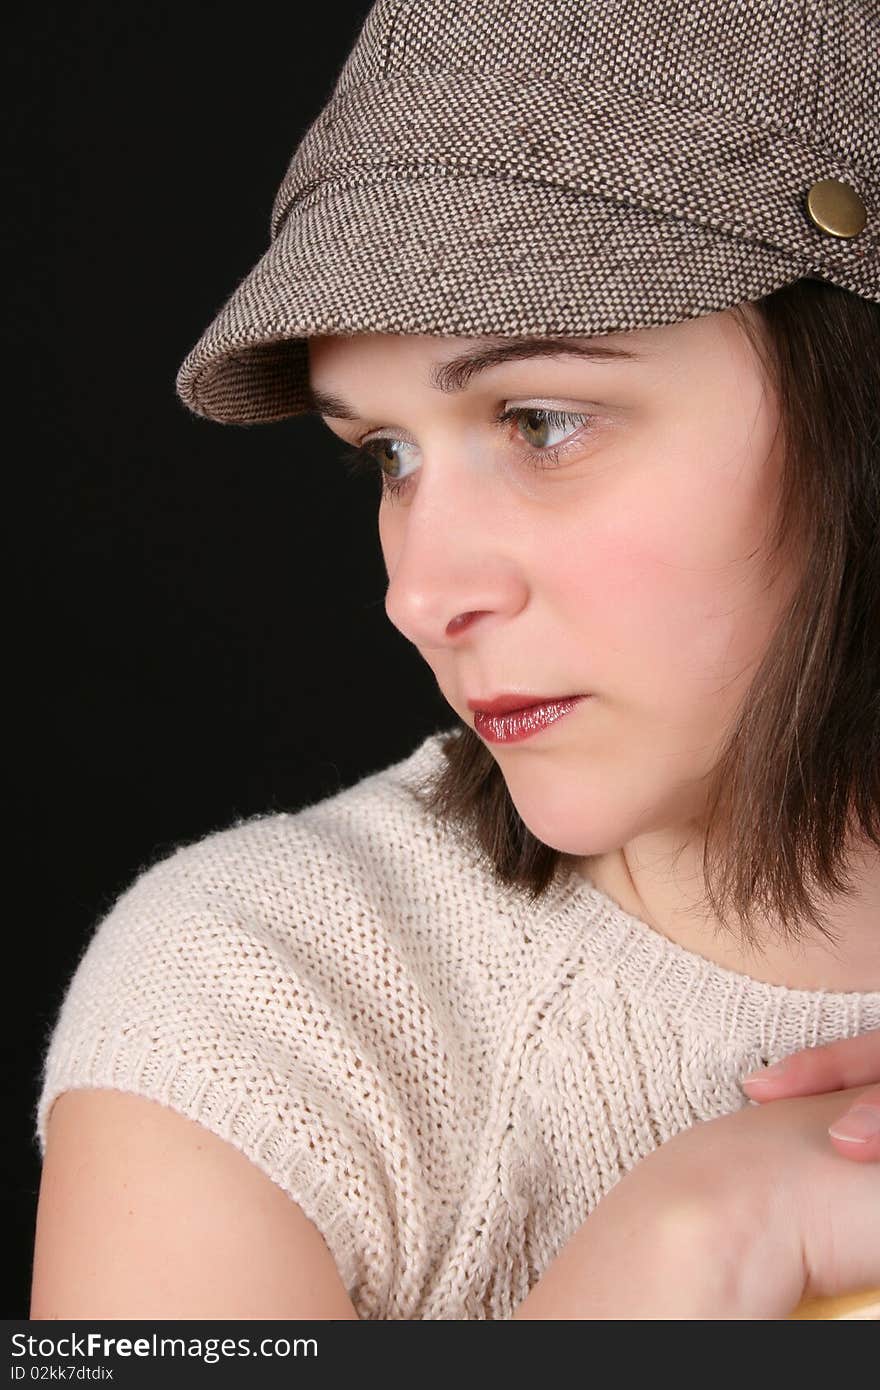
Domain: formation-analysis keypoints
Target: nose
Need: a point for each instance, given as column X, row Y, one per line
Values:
column 451, row 558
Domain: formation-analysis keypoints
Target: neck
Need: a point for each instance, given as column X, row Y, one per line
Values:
column 638, row 878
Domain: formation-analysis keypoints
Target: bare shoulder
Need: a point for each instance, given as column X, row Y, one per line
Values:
column 144, row 1213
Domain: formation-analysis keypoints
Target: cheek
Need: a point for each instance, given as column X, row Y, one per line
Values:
column 669, row 603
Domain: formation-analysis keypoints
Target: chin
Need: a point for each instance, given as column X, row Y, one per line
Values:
column 569, row 838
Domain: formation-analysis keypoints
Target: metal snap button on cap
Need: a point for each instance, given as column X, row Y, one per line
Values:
column 836, row 208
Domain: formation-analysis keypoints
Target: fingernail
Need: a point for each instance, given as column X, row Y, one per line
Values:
column 766, row 1073
column 858, row 1125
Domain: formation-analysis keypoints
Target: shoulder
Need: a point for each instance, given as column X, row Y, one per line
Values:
column 287, row 940
column 329, row 992
column 371, row 851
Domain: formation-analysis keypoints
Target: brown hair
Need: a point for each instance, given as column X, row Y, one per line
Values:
column 798, row 778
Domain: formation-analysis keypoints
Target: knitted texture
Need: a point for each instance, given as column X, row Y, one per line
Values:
column 446, row 1078
column 577, row 167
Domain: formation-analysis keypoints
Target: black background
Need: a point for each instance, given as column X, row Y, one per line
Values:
column 203, row 632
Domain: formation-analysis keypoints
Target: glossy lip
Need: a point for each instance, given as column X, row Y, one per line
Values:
column 519, row 724
column 507, row 704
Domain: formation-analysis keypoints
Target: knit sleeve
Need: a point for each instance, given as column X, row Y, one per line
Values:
column 240, row 983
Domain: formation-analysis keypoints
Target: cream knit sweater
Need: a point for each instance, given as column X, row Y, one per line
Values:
column 444, row 1077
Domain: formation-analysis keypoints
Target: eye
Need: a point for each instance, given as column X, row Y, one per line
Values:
column 543, row 429
column 384, row 457
column 542, row 436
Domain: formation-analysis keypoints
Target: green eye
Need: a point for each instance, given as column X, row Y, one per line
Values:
column 544, row 429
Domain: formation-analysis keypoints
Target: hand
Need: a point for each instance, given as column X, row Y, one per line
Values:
column 740, row 1217
column 838, row 1066
column 772, row 1180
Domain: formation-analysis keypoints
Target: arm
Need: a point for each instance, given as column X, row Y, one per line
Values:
column 143, row 1213
column 646, row 1252
column 742, row 1217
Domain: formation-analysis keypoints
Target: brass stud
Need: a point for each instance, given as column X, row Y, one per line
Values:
column 836, row 208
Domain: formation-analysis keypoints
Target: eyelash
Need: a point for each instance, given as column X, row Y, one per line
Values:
column 360, row 461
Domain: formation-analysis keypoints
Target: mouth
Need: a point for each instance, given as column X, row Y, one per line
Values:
column 524, row 721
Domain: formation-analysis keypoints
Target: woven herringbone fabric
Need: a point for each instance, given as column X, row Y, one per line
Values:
column 575, row 167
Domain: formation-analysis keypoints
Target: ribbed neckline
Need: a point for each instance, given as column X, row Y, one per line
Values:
column 690, row 987
column 687, row 986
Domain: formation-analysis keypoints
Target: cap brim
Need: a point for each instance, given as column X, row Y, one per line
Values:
column 461, row 256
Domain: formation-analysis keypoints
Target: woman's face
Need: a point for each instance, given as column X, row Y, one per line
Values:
column 627, row 565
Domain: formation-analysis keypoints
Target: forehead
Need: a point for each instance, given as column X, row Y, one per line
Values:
column 451, row 364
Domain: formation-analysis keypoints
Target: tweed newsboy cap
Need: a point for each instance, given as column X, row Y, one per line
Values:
column 576, row 167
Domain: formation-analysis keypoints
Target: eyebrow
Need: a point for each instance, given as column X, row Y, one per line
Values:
column 457, row 373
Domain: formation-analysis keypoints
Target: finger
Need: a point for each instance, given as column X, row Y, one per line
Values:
column 856, row 1133
column 834, row 1067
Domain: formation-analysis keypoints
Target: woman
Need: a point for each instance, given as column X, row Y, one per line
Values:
column 599, row 300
